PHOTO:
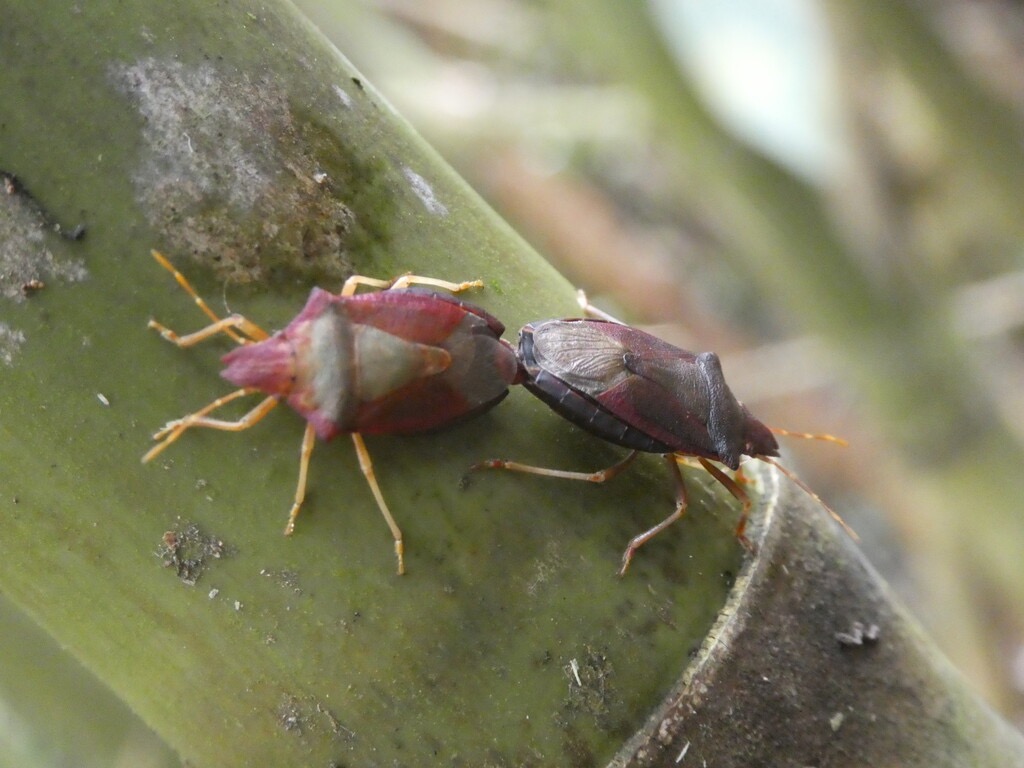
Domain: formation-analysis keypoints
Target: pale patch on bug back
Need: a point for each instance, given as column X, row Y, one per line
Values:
column 396, row 362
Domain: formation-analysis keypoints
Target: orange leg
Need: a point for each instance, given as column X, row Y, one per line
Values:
column 809, row 436
column 681, row 501
column 599, row 476
column 308, row 441
column 741, row 495
column 404, row 281
column 740, row 476
column 366, row 465
column 173, row 430
column 221, row 326
column 228, row 325
column 176, row 425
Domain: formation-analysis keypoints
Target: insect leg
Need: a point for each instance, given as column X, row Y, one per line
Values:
column 366, row 465
column 221, row 326
column 308, row 441
column 741, row 495
column 589, row 310
column 404, row 281
column 175, row 426
column 599, row 476
column 251, row 329
column 681, row 501
column 198, row 419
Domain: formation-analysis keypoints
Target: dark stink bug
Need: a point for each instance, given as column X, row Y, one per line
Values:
column 638, row 391
column 391, row 362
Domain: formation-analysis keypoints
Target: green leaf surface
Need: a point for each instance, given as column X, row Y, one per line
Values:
column 234, row 139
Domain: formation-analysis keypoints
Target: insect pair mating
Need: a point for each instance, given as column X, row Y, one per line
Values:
column 405, row 360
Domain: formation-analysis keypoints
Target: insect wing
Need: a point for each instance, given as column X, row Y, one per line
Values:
column 580, row 354
column 648, row 407
column 644, row 382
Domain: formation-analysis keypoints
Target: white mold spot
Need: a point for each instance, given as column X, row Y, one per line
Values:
column 344, row 97
column 227, row 173
column 203, row 132
column 425, row 192
column 11, row 340
column 27, row 262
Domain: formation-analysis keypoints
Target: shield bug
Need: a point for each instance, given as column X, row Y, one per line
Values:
column 397, row 361
column 636, row 390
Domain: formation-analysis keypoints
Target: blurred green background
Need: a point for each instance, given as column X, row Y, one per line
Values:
column 829, row 194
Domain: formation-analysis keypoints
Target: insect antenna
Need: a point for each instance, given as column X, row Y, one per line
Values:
column 589, row 310
column 807, row 489
column 809, row 436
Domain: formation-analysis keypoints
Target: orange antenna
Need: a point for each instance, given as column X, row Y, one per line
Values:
column 792, row 476
column 809, row 436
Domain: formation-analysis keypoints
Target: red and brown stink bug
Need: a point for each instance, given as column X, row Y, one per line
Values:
column 638, row 391
column 392, row 362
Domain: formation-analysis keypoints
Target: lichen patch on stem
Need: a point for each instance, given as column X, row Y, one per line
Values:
column 26, row 259
column 422, row 189
column 227, row 173
column 28, row 238
column 11, row 340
